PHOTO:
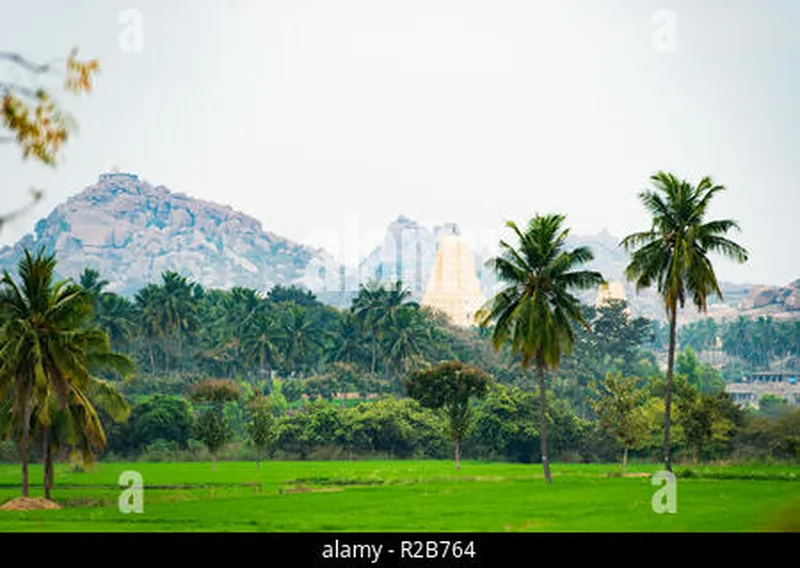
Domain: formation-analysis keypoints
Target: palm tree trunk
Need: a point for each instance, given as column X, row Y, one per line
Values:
column 48, row 462
column 624, row 460
column 24, row 444
column 668, row 395
column 214, row 460
column 374, row 352
column 152, row 357
column 180, row 349
column 543, row 422
column 51, row 470
column 458, row 454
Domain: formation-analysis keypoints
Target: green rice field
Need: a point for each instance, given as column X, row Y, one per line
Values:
column 406, row 496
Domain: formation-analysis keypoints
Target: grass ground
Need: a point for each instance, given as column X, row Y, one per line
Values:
column 413, row 496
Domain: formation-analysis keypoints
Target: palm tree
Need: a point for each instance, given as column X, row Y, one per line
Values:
column 77, row 424
column 43, row 354
column 535, row 308
column 350, row 347
column 151, row 322
column 673, row 255
column 117, row 317
column 376, row 308
column 406, row 338
column 259, row 339
column 91, row 282
column 178, row 309
column 368, row 308
column 302, row 340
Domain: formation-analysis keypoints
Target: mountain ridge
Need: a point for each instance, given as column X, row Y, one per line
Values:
column 131, row 231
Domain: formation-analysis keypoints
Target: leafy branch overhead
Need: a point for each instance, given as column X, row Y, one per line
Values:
column 33, row 118
column 37, row 123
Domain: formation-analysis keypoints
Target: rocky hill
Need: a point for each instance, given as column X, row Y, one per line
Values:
column 131, row 232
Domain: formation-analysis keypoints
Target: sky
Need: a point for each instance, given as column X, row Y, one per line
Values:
column 328, row 120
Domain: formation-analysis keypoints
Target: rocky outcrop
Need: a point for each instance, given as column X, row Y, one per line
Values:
column 785, row 297
column 131, row 232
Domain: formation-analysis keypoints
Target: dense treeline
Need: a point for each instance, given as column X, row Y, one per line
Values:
column 301, row 355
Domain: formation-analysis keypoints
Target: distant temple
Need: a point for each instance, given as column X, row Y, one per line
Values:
column 453, row 286
column 610, row 291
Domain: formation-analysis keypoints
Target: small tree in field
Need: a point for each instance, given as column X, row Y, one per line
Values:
column 261, row 425
column 620, row 409
column 449, row 386
column 212, row 427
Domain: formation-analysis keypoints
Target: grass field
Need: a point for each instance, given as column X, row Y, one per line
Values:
column 395, row 496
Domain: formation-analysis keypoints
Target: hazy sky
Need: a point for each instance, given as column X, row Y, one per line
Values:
column 326, row 120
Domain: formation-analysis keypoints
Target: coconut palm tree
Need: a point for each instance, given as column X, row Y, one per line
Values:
column 148, row 303
column 117, row 317
column 260, row 337
column 673, row 256
column 93, row 285
column 406, row 338
column 43, row 354
column 535, row 309
column 178, row 309
column 369, row 309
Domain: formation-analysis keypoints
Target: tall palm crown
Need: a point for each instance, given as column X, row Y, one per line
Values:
column 536, row 307
column 673, row 254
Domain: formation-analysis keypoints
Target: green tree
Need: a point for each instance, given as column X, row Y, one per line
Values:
column 772, row 406
column 702, row 376
column 261, row 425
column 155, row 417
column 450, row 385
column 535, row 309
column 178, row 311
column 212, row 427
column 673, row 255
column 619, row 405
column 151, row 321
column 703, row 420
column 47, row 353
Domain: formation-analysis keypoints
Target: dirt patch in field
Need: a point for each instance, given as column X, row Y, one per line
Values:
column 528, row 526
column 29, row 504
column 638, row 474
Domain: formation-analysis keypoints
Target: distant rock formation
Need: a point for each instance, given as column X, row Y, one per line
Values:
column 785, row 297
column 131, row 232
column 453, row 286
column 408, row 253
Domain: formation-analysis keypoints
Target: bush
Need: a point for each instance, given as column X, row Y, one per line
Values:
column 160, row 451
column 8, row 452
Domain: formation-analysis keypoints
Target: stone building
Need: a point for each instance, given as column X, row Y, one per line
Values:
column 753, row 387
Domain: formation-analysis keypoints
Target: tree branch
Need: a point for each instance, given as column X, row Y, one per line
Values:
column 13, row 87
column 37, row 196
column 24, row 63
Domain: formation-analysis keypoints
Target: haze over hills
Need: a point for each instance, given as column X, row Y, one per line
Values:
column 131, row 231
